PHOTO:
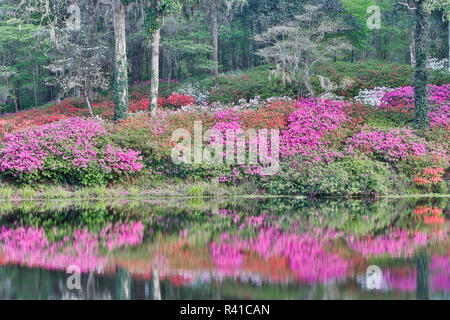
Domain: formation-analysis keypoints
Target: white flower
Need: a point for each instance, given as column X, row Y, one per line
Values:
column 436, row 64
column 373, row 96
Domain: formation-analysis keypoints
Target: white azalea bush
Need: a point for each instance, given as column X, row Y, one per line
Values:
column 372, row 97
column 436, row 64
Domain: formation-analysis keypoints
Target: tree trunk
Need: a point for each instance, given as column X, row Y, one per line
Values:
column 307, row 82
column 88, row 103
column 412, row 47
column 18, row 101
column 35, row 86
column 215, row 41
column 421, row 108
column 16, row 106
column 155, row 73
column 88, row 90
column 121, row 103
column 123, row 285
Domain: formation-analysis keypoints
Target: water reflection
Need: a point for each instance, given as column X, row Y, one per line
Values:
column 261, row 249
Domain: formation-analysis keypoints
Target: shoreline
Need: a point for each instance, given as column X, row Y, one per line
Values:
column 182, row 191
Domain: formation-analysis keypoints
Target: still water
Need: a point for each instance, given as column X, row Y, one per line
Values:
column 226, row 249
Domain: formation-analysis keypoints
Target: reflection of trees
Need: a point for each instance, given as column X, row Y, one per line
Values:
column 189, row 256
column 156, row 284
column 24, row 284
column 423, row 276
column 123, row 285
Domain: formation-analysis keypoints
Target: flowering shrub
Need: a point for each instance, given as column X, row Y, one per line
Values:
column 308, row 125
column 436, row 64
column 429, row 176
column 233, row 87
column 372, row 97
column 176, row 100
column 195, row 91
column 392, row 145
column 76, row 150
column 402, row 100
column 272, row 114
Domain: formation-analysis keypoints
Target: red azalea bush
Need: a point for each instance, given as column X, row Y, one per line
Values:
column 77, row 108
column 271, row 115
column 176, row 100
column 429, row 176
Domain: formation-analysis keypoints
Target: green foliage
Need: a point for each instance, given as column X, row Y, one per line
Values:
column 135, row 138
column 230, row 88
column 196, row 191
column 366, row 75
column 439, row 77
column 346, row 177
column 155, row 12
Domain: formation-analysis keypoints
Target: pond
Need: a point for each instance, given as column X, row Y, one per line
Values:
column 269, row 248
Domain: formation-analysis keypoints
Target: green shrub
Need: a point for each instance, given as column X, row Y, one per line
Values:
column 230, row 88
column 439, row 77
column 366, row 75
column 345, row 177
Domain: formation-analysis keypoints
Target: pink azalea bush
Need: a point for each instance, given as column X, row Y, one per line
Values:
column 390, row 145
column 402, row 100
column 307, row 127
column 74, row 150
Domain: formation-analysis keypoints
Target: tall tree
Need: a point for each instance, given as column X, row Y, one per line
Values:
column 121, row 103
column 421, row 107
column 295, row 48
column 155, row 12
column 410, row 5
column 444, row 6
column 214, row 7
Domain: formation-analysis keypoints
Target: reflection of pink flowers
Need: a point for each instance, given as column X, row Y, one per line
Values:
column 396, row 244
column 226, row 256
column 307, row 253
column 30, row 247
column 116, row 236
column 405, row 280
column 440, row 273
column 401, row 280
